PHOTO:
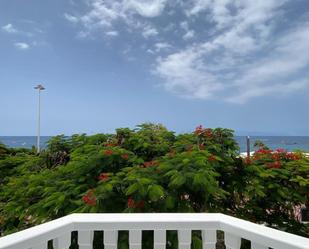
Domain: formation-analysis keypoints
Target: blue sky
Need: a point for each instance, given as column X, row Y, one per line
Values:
column 241, row 64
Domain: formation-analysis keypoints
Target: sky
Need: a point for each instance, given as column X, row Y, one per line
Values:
column 239, row 64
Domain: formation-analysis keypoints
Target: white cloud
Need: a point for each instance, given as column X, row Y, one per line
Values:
column 189, row 32
column 145, row 8
column 189, row 35
column 9, row 28
column 231, row 52
column 277, row 89
column 149, row 31
column 185, row 74
column 112, row 33
column 241, row 62
column 150, row 51
column 104, row 13
column 184, row 25
column 198, row 6
column 71, row 18
column 285, row 61
column 22, row 45
column 101, row 14
column 162, row 46
column 32, row 29
column 226, row 12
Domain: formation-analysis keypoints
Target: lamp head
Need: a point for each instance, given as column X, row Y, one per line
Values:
column 40, row 87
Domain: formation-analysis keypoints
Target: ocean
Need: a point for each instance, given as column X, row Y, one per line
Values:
column 290, row 143
column 23, row 141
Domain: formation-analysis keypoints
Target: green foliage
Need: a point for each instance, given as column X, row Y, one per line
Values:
column 151, row 169
column 277, row 183
column 3, row 151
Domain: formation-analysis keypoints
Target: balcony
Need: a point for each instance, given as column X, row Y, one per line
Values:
column 59, row 232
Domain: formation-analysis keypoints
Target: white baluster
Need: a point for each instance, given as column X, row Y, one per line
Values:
column 231, row 241
column 184, row 239
column 110, row 239
column 258, row 246
column 159, row 239
column 40, row 246
column 135, row 239
column 209, row 239
column 63, row 241
column 85, row 239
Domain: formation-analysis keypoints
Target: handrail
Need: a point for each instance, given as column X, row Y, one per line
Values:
column 267, row 236
column 36, row 234
column 263, row 236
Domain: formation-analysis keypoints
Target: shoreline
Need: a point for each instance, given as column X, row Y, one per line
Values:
column 244, row 154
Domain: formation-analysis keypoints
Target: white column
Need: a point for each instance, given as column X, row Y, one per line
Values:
column 135, row 239
column 184, row 239
column 62, row 242
column 159, row 238
column 209, row 238
column 257, row 246
column 85, row 239
column 110, row 239
column 232, row 241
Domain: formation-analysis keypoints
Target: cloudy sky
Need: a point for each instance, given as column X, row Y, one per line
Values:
column 241, row 64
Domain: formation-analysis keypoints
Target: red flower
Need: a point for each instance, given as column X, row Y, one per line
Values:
column 208, row 133
column 125, row 156
column 247, row 160
column 276, row 156
column 212, row 158
column 103, row 177
column 292, row 156
column 131, row 203
column 150, row 164
column 110, row 145
column 296, row 157
column 280, row 150
column 90, row 198
column 198, row 130
column 108, row 152
column 141, row 204
column 202, row 146
column 276, row 165
column 147, row 164
column 263, row 151
column 86, row 198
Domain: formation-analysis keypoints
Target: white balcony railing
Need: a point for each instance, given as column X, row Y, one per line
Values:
column 59, row 231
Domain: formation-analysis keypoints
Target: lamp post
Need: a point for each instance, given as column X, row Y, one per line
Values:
column 248, row 146
column 39, row 88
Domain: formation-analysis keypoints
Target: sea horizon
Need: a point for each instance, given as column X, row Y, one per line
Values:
column 288, row 142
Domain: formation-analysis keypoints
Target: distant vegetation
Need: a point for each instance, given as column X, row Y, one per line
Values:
column 150, row 169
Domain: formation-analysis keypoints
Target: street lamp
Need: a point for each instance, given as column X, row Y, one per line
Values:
column 39, row 88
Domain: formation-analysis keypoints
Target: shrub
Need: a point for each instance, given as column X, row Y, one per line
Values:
column 151, row 169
